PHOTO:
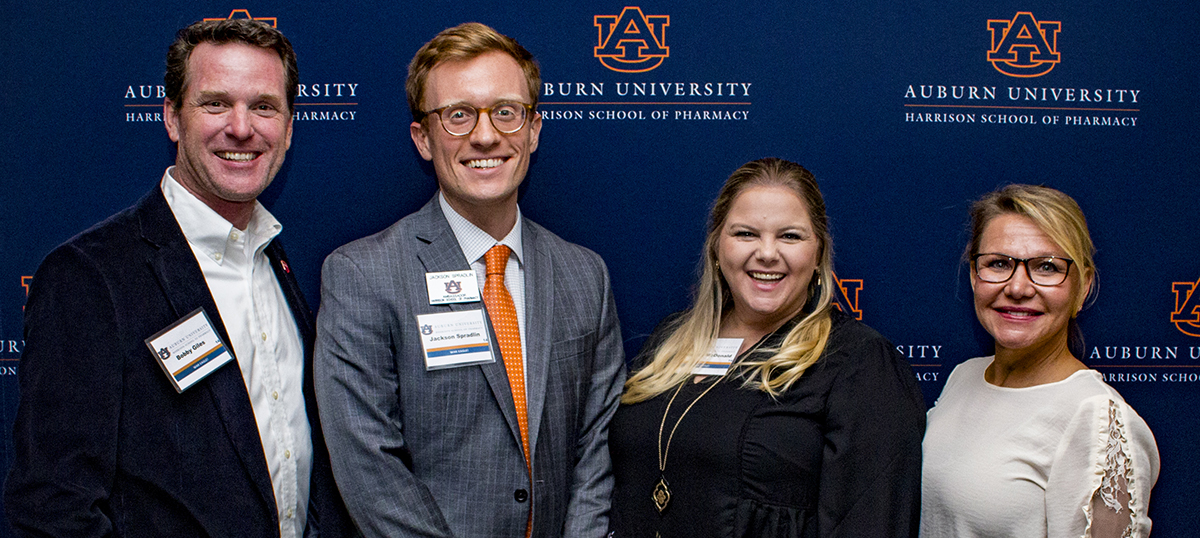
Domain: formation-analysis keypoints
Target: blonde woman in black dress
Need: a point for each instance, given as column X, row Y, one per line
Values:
column 814, row 429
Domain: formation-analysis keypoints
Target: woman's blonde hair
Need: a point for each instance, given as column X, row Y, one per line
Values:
column 694, row 332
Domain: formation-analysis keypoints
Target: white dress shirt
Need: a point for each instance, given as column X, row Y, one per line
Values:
column 263, row 335
column 475, row 243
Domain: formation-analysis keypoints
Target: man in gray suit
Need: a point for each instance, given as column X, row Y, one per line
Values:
column 503, row 431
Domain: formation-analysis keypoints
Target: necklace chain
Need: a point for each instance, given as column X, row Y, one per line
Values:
column 664, row 453
column 661, row 495
column 662, row 492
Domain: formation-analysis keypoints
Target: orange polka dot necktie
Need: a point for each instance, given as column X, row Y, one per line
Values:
column 503, row 314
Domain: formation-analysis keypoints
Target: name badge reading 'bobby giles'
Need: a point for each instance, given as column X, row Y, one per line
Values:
column 452, row 339
column 189, row 349
column 452, row 287
column 719, row 358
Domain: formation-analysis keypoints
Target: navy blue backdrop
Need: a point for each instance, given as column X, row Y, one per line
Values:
column 904, row 111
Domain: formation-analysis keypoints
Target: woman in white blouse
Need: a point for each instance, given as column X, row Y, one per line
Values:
column 1030, row 442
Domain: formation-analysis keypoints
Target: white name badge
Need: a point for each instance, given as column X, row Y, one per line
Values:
column 452, row 339
column 189, row 349
column 452, row 287
column 719, row 358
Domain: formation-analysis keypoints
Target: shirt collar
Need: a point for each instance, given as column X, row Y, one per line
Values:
column 475, row 242
column 208, row 231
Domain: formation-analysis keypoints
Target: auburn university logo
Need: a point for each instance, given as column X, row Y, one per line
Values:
column 847, row 293
column 453, row 287
column 1023, row 47
column 1186, row 316
column 632, row 42
column 245, row 14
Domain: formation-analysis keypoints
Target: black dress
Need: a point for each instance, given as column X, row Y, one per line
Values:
column 837, row 455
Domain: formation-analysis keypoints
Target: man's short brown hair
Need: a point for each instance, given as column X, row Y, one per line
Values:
column 461, row 43
column 220, row 32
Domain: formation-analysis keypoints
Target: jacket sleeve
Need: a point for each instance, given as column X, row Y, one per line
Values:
column 591, row 491
column 70, row 379
column 356, row 386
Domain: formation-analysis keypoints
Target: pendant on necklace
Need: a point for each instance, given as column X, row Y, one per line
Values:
column 661, row 495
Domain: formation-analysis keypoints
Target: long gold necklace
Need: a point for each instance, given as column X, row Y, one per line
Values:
column 662, row 492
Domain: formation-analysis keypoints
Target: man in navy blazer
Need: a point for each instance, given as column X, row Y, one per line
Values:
column 104, row 444
column 421, row 449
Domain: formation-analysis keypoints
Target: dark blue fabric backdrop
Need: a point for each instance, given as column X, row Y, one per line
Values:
column 895, row 107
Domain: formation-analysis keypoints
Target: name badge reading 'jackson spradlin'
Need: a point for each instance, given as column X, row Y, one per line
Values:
column 189, row 349
column 453, row 339
column 452, row 287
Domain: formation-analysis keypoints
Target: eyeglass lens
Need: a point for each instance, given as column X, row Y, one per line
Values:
column 1046, row 271
column 460, row 120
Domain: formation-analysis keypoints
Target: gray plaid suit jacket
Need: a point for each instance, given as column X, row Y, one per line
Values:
column 438, row 453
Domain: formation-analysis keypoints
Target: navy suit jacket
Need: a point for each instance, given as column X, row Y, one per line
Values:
column 103, row 444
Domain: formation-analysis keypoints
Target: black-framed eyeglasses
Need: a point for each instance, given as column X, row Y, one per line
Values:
column 461, row 119
column 1042, row 270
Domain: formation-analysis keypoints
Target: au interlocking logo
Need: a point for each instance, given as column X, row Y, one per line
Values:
column 632, row 42
column 847, row 289
column 1024, row 47
column 1186, row 316
column 245, row 14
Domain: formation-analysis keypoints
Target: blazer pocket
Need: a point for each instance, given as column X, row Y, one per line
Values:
column 582, row 346
column 567, row 378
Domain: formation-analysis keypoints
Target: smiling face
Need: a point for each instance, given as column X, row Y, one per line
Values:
column 478, row 173
column 232, row 127
column 1022, row 316
column 768, row 253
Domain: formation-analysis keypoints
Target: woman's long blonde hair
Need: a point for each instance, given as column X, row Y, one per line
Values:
column 694, row 333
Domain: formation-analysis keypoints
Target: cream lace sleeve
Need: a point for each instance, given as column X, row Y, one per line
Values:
column 1103, row 471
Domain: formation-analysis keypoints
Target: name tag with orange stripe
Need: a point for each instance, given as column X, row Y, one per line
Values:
column 189, row 349
column 719, row 358
column 452, row 339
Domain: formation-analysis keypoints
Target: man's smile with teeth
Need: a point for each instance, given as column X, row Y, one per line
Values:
column 765, row 276
column 237, row 156
column 485, row 163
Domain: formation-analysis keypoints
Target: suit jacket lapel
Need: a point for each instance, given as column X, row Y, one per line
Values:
column 175, row 266
column 301, row 313
column 440, row 251
column 539, row 303
column 305, row 325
